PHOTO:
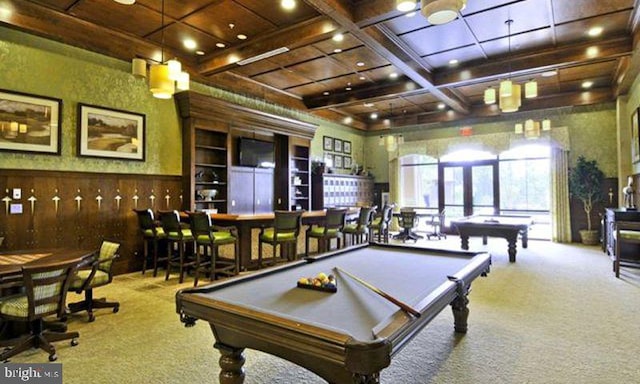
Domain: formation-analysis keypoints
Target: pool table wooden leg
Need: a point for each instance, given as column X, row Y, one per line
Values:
column 460, row 312
column 231, row 364
column 465, row 242
column 373, row 378
column 513, row 244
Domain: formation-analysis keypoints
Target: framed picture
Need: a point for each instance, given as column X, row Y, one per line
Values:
column 346, row 147
column 110, row 133
column 29, row 123
column 337, row 161
column 347, row 162
column 327, row 143
column 328, row 159
column 635, row 137
column 337, row 145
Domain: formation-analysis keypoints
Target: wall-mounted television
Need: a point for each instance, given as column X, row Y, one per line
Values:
column 256, row 153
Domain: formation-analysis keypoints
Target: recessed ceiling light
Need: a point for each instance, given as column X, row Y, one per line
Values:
column 595, row 31
column 373, row 116
column 441, row 106
column 288, row 4
column 360, row 64
column 231, row 25
column 189, row 44
column 587, row 84
column 5, row 12
column 220, row 45
column 368, row 105
column 362, row 78
column 592, row 51
column 453, row 62
column 348, row 120
column 348, row 88
column 551, row 73
column 337, row 50
column 338, row 37
column 326, row 93
column 200, row 53
column 393, row 75
column 242, row 37
column 410, row 14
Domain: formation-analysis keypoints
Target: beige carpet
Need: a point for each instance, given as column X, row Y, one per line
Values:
column 558, row 315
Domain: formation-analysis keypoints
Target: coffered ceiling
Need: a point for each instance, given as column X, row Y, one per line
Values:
column 393, row 64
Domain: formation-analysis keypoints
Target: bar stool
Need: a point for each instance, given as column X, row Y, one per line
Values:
column 285, row 231
column 212, row 237
column 331, row 229
column 360, row 229
column 382, row 223
column 151, row 235
column 179, row 237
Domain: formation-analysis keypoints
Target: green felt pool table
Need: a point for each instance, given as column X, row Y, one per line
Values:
column 345, row 337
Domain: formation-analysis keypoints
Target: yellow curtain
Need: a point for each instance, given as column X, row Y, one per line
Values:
column 560, row 211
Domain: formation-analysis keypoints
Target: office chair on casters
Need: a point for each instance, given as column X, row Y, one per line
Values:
column 44, row 295
column 99, row 273
column 407, row 221
column 436, row 224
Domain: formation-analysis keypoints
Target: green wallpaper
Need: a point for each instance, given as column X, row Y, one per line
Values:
column 592, row 133
column 37, row 66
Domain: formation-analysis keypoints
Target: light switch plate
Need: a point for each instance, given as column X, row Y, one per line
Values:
column 15, row 209
column 17, row 193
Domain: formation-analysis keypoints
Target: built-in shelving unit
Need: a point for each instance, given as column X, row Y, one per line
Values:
column 211, row 162
column 339, row 190
column 300, row 181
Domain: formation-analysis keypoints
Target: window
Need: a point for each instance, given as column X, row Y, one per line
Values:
column 419, row 181
column 524, row 179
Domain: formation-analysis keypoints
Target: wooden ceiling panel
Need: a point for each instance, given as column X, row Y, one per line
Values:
column 587, row 71
column 217, row 17
column 174, row 9
column 403, row 24
column 350, row 80
column 328, row 46
column 307, row 89
column 275, row 14
column 612, row 24
column 61, row 5
column 110, row 14
column 283, row 78
column 526, row 15
column 320, row 69
column 380, row 74
column 176, row 33
column 519, row 43
column 439, row 38
column 463, row 55
column 564, row 11
column 297, row 56
column 361, row 54
column 256, row 68
column 421, row 99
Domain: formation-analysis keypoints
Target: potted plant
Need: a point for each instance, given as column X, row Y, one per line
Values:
column 585, row 183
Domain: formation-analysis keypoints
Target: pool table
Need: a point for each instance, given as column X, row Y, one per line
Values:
column 344, row 337
column 508, row 227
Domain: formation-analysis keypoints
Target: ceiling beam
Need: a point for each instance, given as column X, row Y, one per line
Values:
column 299, row 35
column 377, row 41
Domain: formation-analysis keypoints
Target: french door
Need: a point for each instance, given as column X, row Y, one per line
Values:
column 468, row 189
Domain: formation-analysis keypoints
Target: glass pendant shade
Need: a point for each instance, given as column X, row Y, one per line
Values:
column 390, row 143
column 159, row 83
column 531, row 129
column 125, row 2
column 182, row 83
column 441, row 11
column 519, row 128
column 506, row 88
column 490, row 96
column 546, row 125
column 175, row 68
column 530, row 89
column 511, row 103
column 381, row 141
column 139, row 68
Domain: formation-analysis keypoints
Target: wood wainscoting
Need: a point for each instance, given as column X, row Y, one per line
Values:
column 79, row 209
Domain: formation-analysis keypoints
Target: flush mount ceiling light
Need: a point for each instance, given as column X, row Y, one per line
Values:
column 125, row 2
column 441, row 11
column 405, row 5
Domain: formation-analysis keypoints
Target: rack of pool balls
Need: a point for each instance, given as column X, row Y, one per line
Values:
column 322, row 282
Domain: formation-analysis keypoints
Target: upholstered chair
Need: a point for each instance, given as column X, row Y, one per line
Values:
column 332, row 227
column 152, row 234
column 360, row 229
column 285, row 231
column 179, row 238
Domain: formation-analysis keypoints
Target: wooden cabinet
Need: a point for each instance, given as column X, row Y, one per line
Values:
column 250, row 190
column 205, row 163
column 336, row 190
column 300, row 178
column 630, row 252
